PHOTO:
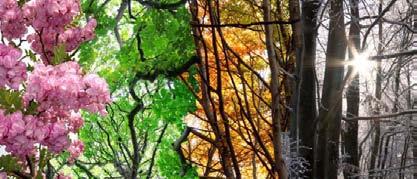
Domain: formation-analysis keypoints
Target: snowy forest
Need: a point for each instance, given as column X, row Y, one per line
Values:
column 210, row 89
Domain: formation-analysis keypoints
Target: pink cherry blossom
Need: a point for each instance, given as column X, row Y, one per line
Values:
column 62, row 176
column 11, row 20
column 57, row 139
column 75, row 122
column 59, row 90
column 62, row 88
column 75, row 150
column 3, row 175
column 19, row 133
column 54, row 14
column 51, row 19
column 96, row 94
column 12, row 71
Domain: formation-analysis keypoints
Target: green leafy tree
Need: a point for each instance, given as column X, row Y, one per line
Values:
column 140, row 51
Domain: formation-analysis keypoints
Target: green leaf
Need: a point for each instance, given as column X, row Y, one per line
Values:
column 21, row 2
column 9, row 163
column 10, row 100
column 32, row 108
column 60, row 54
column 42, row 162
column 31, row 55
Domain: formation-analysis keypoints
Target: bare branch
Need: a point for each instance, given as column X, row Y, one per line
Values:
column 148, row 176
column 376, row 22
column 394, row 55
column 119, row 16
column 245, row 25
column 384, row 116
column 177, row 147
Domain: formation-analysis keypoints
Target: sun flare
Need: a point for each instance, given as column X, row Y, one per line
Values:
column 362, row 64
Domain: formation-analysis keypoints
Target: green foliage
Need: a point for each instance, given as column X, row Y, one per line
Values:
column 106, row 21
column 31, row 55
column 172, row 103
column 167, row 44
column 9, row 163
column 21, row 2
column 167, row 41
column 10, row 100
column 169, row 163
column 31, row 108
column 60, row 54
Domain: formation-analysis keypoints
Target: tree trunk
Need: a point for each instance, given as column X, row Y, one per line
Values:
column 297, row 41
column 307, row 110
column 413, row 73
column 378, row 92
column 297, row 52
column 352, row 97
column 279, row 164
column 327, row 146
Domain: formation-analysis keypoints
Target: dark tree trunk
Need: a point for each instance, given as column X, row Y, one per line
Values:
column 327, row 145
column 297, row 52
column 410, row 96
column 307, row 110
column 352, row 97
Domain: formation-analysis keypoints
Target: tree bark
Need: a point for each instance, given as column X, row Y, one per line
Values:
column 329, row 120
column 352, row 97
column 413, row 97
column 206, row 92
column 378, row 92
column 279, row 165
column 307, row 109
column 297, row 41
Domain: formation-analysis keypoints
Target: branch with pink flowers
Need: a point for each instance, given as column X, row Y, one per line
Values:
column 40, row 105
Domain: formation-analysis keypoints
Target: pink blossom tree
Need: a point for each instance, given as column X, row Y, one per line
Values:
column 40, row 104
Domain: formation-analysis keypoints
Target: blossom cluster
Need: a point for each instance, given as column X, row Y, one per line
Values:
column 75, row 150
column 51, row 14
column 47, row 40
column 21, row 134
column 59, row 91
column 12, row 23
column 51, row 19
column 12, row 71
column 63, row 88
